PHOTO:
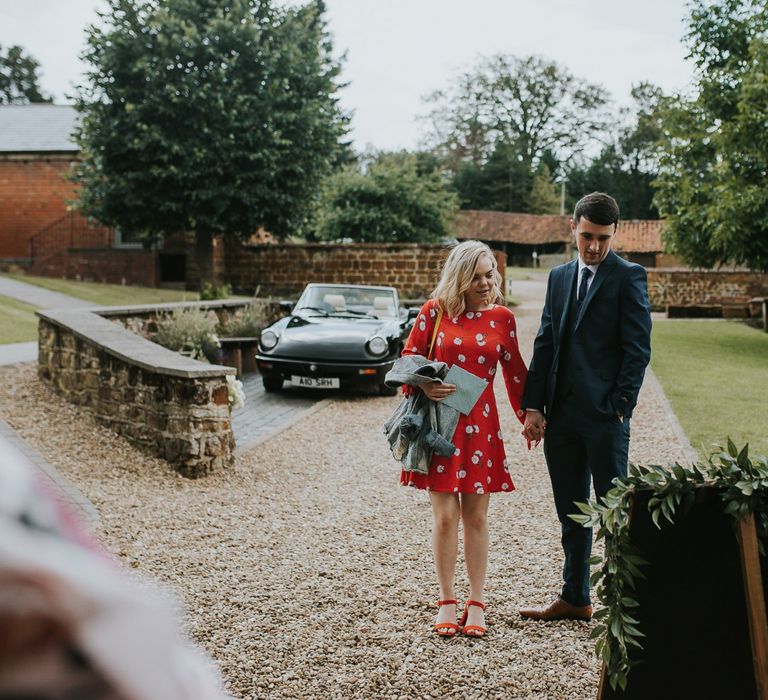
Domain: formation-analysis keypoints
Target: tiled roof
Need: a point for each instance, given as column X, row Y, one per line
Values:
column 38, row 128
column 510, row 227
column 639, row 236
column 635, row 236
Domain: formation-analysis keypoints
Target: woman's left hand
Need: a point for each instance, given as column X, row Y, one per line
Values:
column 437, row 391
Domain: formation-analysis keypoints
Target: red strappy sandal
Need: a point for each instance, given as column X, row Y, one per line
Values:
column 472, row 630
column 446, row 629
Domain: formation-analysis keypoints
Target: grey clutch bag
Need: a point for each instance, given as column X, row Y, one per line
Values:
column 469, row 387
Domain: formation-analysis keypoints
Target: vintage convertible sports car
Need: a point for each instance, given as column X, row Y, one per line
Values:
column 336, row 336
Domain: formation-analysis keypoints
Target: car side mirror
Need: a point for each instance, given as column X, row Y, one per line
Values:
column 286, row 305
column 413, row 313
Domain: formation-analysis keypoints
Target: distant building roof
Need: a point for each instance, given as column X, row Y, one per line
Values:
column 37, row 128
column 633, row 236
column 530, row 229
column 639, row 236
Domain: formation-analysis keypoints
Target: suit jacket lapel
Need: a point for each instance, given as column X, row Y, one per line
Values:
column 605, row 269
column 567, row 291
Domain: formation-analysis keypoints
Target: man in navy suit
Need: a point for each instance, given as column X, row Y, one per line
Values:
column 589, row 358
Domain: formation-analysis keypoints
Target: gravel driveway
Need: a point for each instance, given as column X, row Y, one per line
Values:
column 306, row 571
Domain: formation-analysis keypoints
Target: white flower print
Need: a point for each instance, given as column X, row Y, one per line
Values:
column 480, row 338
column 489, row 463
column 462, row 358
column 507, row 357
column 498, row 348
column 520, row 413
column 454, row 320
column 481, row 359
column 461, row 474
column 488, row 480
column 511, row 334
column 500, row 436
column 457, row 341
column 478, row 314
column 457, row 452
column 486, row 410
column 440, row 468
column 505, row 486
column 492, row 371
column 468, row 430
column 455, row 489
column 476, row 457
column 479, row 488
column 516, row 379
column 432, row 312
column 422, row 326
column 493, row 324
column 490, row 438
column 470, row 314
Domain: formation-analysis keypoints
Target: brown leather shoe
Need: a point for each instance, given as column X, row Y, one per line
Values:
column 559, row 610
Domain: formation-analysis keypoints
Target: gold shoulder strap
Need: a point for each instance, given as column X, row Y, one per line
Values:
column 434, row 332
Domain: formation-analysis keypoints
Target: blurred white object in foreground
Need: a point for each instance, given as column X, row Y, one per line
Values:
column 72, row 623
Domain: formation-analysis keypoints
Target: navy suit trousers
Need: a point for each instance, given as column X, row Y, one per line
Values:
column 578, row 447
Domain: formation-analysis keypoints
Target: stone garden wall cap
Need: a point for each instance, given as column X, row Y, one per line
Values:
column 116, row 340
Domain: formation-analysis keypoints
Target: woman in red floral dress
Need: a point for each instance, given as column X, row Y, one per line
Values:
column 476, row 332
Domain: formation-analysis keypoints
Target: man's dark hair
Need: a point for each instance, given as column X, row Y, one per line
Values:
column 598, row 207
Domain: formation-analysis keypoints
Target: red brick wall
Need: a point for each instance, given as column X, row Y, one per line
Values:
column 33, row 194
column 681, row 287
column 111, row 265
column 286, row 269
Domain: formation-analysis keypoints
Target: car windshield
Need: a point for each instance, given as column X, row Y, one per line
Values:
column 352, row 301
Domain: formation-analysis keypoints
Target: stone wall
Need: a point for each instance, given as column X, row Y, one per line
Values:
column 167, row 404
column 110, row 265
column 286, row 269
column 684, row 287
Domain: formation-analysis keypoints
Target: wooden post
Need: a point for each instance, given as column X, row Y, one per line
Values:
column 753, row 590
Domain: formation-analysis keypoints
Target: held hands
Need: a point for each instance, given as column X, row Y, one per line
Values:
column 437, row 391
column 534, row 427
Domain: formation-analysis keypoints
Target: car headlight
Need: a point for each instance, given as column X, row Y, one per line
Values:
column 378, row 345
column 268, row 339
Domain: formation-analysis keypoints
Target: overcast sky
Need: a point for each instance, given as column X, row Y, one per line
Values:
column 397, row 51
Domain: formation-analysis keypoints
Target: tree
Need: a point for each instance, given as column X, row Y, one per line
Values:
column 532, row 103
column 544, row 198
column 387, row 198
column 714, row 162
column 19, row 82
column 210, row 117
column 502, row 183
column 627, row 167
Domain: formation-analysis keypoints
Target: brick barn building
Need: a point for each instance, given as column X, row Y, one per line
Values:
column 547, row 239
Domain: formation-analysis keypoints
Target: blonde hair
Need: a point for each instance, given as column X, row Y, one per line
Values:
column 457, row 274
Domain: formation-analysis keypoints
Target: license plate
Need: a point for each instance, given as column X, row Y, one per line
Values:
column 316, row 382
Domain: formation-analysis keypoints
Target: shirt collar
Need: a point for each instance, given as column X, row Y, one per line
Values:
column 592, row 268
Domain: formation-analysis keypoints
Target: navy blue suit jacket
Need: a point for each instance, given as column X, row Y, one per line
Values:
column 611, row 343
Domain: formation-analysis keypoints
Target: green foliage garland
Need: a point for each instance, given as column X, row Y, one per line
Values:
column 743, row 484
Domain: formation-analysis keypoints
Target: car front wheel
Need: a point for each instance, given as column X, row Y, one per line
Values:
column 272, row 384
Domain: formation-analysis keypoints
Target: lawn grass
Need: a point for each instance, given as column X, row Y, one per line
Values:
column 107, row 294
column 715, row 375
column 18, row 323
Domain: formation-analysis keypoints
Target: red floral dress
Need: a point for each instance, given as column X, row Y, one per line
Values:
column 477, row 341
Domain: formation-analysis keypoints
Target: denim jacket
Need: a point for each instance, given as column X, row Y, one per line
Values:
column 419, row 427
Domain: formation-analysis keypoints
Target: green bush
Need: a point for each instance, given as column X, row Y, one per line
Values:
column 247, row 323
column 190, row 331
column 210, row 292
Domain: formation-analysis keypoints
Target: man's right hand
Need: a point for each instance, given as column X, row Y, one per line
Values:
column 534, row 425
column 437, row 391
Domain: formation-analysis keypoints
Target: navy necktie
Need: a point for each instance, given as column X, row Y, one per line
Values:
column 586, row 273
